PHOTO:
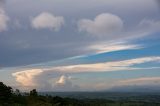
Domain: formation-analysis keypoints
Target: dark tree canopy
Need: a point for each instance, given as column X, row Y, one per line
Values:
column 5, row 92
column 33, row 93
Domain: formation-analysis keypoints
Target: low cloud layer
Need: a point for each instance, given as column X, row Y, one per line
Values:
column 141, row 84
column 47, row 20
column 30, row 77
column 103, row 24
column 141, row 81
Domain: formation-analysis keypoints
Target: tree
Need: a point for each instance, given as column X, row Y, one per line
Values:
column 5, row 93
column 17, row 92
column 33, row 93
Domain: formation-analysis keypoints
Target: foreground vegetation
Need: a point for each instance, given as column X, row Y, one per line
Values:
column 10, row 97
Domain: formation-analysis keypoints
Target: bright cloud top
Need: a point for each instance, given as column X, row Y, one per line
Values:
column 63, row 80
column 103, row 24
column 64, row 83
column 47, row 20
column 26, row 78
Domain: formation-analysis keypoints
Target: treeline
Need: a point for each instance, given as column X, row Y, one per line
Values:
column 10, row 97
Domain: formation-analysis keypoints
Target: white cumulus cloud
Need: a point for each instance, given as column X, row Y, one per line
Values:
column 27, row 77
column 64, row 80
column 47, row 20
column 103, row 24
column 64, row 83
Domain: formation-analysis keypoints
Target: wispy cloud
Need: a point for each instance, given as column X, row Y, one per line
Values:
column 107, row 66
column 114, row 46
column 105, row 48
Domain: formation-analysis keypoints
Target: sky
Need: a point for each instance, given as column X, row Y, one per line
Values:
column 79, row 45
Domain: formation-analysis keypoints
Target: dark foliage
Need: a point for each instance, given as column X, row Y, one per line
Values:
column 33, row 93
column 5, row 93
column 8, row 97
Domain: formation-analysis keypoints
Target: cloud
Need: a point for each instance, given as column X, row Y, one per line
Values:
column 63, row 80
column 103, row 24
column 47, row 20
column 60, row 46
column 141, row 84
column 27, row 78
column 141, row 81
column 96, row 67
column 56, row 46
column 64, row 83
column 105, row 48
column 149, row 25
column 40, row 77
column 106, row 66
column 131, row 84
column 3, row 18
